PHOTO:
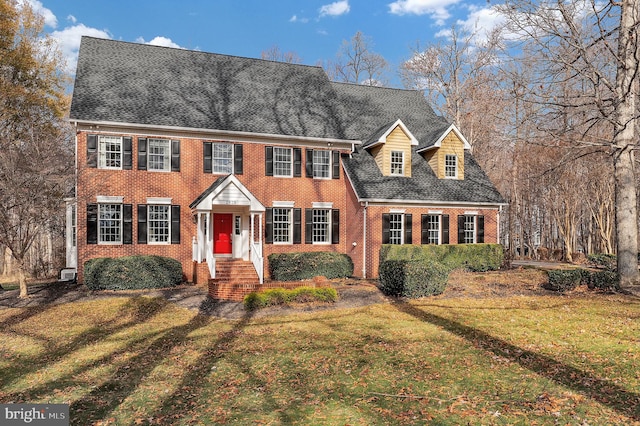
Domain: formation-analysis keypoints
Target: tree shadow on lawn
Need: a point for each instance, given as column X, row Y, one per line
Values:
column 600, row 390
column 141, row 309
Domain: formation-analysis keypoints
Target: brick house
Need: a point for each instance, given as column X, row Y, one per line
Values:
column 209, row 158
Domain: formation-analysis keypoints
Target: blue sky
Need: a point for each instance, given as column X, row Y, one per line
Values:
column 313, row 29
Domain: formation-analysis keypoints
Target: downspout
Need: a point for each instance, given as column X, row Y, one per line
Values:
column 364, row 240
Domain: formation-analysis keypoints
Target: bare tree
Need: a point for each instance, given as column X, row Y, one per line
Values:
column 356, row 62
column 36, row 156
column 275, row 54
column 592, row 48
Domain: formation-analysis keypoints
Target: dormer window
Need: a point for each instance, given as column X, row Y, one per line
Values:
column 450, row 166
column 397, row 163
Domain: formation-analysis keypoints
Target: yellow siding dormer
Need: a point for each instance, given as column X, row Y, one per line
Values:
column 446, row 156
column 392, row 152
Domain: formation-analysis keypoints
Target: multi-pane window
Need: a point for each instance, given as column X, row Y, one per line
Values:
column 433, row 223
column 321, row 164
column 110, row 223
column 282, row 161
column 469, row 229
column 109, row 152
column 450, row 165
column 397, row 163
column 159, row 154
column 74, row 227
column 282, row 225
column 321, row 226
column 159, row 223
column 395, row 228
column 222, row 158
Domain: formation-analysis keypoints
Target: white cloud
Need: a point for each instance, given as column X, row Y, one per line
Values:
column 50, row 19
column 295, row 18
column 72, row 19
column 160, row 41
column 69, row 42
column 437, row 9
column 482, row 21
column 335, row 9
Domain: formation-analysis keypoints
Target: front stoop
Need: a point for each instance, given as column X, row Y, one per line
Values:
column 234, row 279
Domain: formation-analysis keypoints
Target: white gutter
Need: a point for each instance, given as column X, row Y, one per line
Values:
column 442, row 204
column 364, row 241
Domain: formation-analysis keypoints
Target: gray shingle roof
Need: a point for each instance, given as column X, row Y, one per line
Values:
column 135, row 83
column 423, row 185
column 140, row 84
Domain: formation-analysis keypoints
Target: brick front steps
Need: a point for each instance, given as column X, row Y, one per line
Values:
column 236, row 278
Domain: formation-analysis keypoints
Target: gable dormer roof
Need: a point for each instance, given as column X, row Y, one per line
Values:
column 438, row 142
column 381, row 135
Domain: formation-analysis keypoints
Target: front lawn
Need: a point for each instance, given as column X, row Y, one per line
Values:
column 504, row 360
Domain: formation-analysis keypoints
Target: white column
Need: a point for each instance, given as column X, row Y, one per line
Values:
column 200, row 249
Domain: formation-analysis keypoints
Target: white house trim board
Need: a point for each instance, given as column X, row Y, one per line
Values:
column 383, row 139
column 231, row 192
column 451, row 128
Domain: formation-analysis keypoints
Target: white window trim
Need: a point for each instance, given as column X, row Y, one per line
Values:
column 330, row 165
column 111, row 243
column 109, row 199
column 455, row 176
column 323, row 206
column 439, row 216
column 475, row 227
column 283, row 204
column 213, row 158
column 158, row 243
column 401, row 164
column 158, row 200
column 100, row 153
column 401, row 214
column 290, row 175
column 290, row 226
column 164, row 170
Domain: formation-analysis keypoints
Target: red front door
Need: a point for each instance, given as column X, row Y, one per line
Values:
column 222, row 233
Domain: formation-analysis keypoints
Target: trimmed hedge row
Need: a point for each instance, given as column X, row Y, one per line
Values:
column 281, row 296
column 472, row 257
column 301, row 266
column 420, row 271
column 563, row 280
column 132, row 273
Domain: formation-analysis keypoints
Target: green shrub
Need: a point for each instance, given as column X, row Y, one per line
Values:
column 132, row 273
column 300, row 266
column 472, row 257
column 604, row 280
column 601, row 260
column 562, row 280
column 281, row 296
column 412, row 278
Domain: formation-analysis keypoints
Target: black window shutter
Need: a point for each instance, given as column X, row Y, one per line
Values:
column 175, row 224
column 297, row 162
column 408, row 232
column 92, row 152
column 424, row 229
column 268, row 226
column 460, row 229
column 142, row 224
column 297, row 226
column 268, row 161
column 175, row 156
column 127, row 225
column 445, row 228
column 308, row 226
column 336, row 164
column 238, row 168
column 208, row 157
column 127, row 161
column 335, row 226
column 309, row 163
column 480, row 233
column 385, row 228
column 92, row 224
column 142, row 153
